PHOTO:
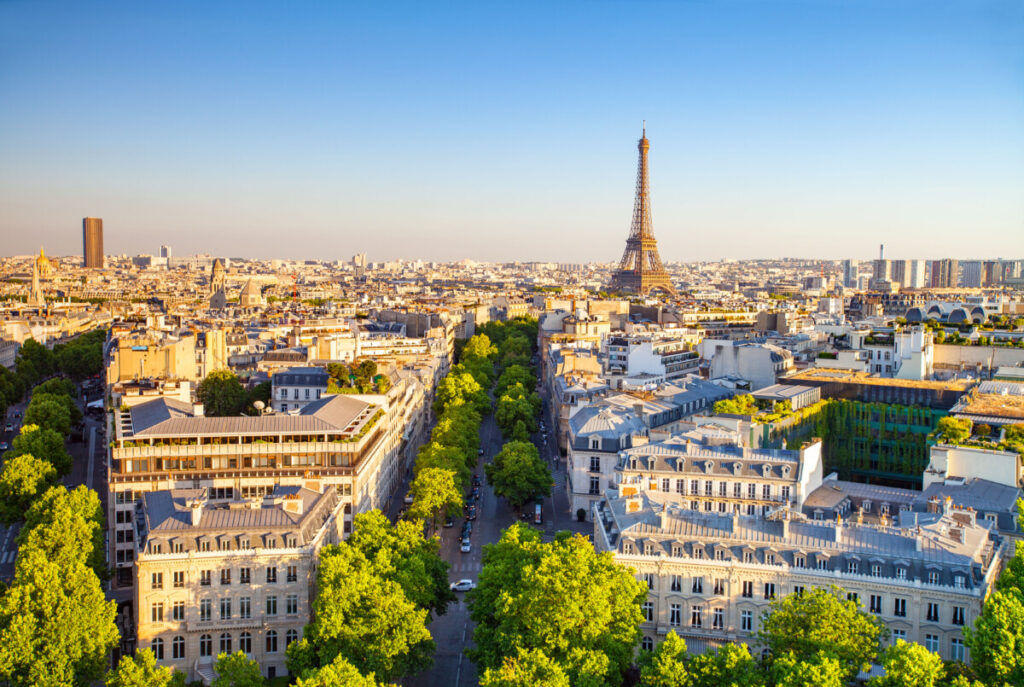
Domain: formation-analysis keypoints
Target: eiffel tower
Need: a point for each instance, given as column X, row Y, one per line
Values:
column 640, row 270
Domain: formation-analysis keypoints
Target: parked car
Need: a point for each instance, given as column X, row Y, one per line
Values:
column 466, row 546
column 407, row 500
column 480, row 452
column 476, row 480
column 472, row 513
column 462, row 586
column 3, row 446
column 9, row 427
column 449, row 522
column 476, row 492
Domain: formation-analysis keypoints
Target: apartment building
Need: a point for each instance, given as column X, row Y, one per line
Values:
column 297, row 387
column 711, row 576
column 218, row 576
column 596, row 435
column 647, row 359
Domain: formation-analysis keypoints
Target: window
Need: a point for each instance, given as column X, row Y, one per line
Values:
column 698, row 585
column 666, row 484
column 766, row 492
column 698, row 553
column 595, row 486
column 799, row 561
column 204, row 545
column 154, row 547
column 723, row 489
column 748, row 556
column 852, row 567
column 853, row 596
column 205, row 609
column 708, row 505
column 933, row 614
column 225, row 609
column 956, row 649
column 225, row 643
column 307, row 393
column 204, row 578
column 696, row 616
column 680, row 486
column 178, row 610
column 292, row 604
column 709, row 488
column 271, row 575
column 751, row 491
column 737, row 490
column 959, row 581
column 179, row 579
column 931, row 642
column 647, row 644
column 675, row 615
column 295, row 394
column 876, row 570
column 785, row 493
column 898, row 635
column 293, row 573
column 271, row 605
column 178, row 647
column 899, row 607
column 747, row 621
column 901, row 572
column 821, row 563
column 158, row 648
column 648, row 611
column 595, row 463
column 769, row 590
column 225, row 576
column 244, row 576
column 245, row 643
column 677, row 551
column 157, row 581
column 290, row 637
column 958, row 615
column 719, row 586
column 748, row 589
column 933, row 577
column 205, row 646
column 769, row 558
column 718, row 619
column 244, row 607
column 156, row 613
column 271, row 642
column 694, row 487
column 677, row 583
column 876, row 603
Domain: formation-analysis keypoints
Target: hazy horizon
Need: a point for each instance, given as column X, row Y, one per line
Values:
column 812, row 130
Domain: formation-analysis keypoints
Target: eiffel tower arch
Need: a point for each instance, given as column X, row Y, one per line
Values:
column 640, row 270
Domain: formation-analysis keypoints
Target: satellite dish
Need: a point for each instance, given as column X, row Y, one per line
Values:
column 259, row 405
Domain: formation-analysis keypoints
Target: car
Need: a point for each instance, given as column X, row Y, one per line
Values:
column 476, row 492
column 476, row 481
column 3, row 446
column 480, row 452
column 466, row 546
column 407, row 500
column 472, row 513
column 449, row 523
column 467, row 527
column 462, row 586
column 9, row 427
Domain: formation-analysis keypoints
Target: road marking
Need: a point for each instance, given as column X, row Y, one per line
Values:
column 91, row 457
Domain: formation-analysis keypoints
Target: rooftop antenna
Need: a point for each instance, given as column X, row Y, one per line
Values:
column 644, row 128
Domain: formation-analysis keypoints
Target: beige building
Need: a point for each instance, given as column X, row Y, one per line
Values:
column 711, row 576
column 217, row 576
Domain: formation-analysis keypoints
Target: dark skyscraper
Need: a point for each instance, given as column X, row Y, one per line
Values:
column 92, row 242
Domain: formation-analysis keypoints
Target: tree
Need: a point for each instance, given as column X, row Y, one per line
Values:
column 461, row 388
column 56, row 627
column 512, row 410
column 730, row 664
column 237, row 670
column 909, row 665
column 512, row 375
column 954, row 430
column 44, row 444
column 435, row 455
column 141, row 670
column 49, row 412
column 434, row 490
column 58, row 386
column 260, row 392
column 997, row 639
column 528, row 668
column 818, row 670
column 362, row 617
column 666, row 665
column 68, row 527
column 222, row 394
column 23, row 478
column 338, row 672
column 821, row 621
column 400, row 553
column 743, row 404
column 577, row 606
column 479, row 346
column 983, row 430
column 518, row 474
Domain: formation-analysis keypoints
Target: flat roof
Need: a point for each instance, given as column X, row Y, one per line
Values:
column 824, row 374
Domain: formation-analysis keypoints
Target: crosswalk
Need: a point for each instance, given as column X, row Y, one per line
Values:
column 8, row 557
column 467, row 566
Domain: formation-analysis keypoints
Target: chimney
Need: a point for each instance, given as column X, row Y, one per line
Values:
column 918, row 539
column 196, row 508
column 785, row 524
column 957, row 534
column 664, row 517
column 947, row 505
column 735, row 520
column 197, row 409
column 293, row 504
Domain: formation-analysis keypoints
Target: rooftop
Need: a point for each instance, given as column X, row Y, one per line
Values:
column 817, row 374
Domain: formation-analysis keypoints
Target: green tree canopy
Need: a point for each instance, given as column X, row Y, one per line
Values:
column 237, row 670
column 338, row 673
column 49, row 412
column 141, row 670
column 44, row 444
column 817, row 670
column 997, row 639
column 528, row 668
column 822, row 620
column 22, row 480
column 222, row 394
column 909, row 665
column 666, row 665
column 512, row 375
column 461, row 388
column 434, row 491
column 57, row 385
column 518, row 474
column 435, row 455
column 954, row 430
column 479, row 346
column 577, row 606
column 68, row 527
column 743, row 404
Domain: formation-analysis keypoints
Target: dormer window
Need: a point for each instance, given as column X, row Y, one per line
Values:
column 595, row 443
column 866, row 505
column 708, row 465
column 156, row 547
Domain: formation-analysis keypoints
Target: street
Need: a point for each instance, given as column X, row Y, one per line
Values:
column 453, row 632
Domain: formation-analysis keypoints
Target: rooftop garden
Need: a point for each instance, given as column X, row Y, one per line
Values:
column 960, row 431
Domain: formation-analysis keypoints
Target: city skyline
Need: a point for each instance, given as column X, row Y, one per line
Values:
column 474, row 133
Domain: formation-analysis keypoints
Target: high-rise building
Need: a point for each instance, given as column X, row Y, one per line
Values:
column 972, row 274
column 640, row 270
column 945, row 273
column 92, row 242
column 883, row 270
column 851, row 271
column 165, row 252
column 916, row 274
column 899, row 270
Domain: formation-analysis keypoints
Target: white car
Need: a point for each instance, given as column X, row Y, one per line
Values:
column 466, row 546
column 462, row 586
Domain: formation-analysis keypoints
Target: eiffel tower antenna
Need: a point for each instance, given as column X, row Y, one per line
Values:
column 640, row 270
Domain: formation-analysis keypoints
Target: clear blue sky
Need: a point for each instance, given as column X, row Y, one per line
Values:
column 501, row 131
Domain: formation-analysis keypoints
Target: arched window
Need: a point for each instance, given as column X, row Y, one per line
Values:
column 158, row 648
column 647, row 644
column 245, row 643
column 225, row 643
column 290, row 637
column 206, row 645
column 272, row 642
column 178, row 647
